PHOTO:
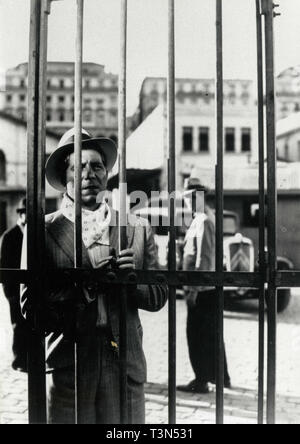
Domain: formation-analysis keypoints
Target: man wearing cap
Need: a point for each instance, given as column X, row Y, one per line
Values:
column 93, row 309
column 199, row 254
column 10, row 257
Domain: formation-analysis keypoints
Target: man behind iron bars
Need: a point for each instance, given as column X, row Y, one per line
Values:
column 95, row 308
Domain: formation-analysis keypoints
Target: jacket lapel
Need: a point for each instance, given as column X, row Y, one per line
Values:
column 62, row 230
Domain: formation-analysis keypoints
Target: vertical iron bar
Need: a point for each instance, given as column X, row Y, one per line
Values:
column 172, row 231
column 219, row 217
column 272, row 210
column 35, row 218
column 77, row 178
column 122, row 209
column 78, row 137
column 262, row 267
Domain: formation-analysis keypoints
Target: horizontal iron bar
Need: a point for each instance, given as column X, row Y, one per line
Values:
column 287, row 279
column 176, row 278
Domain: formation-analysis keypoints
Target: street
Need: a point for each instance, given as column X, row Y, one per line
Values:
column 241, row 338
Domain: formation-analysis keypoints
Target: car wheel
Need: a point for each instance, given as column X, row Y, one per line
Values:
column 283, row 300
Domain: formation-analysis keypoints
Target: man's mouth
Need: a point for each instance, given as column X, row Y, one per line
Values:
column 90, row 187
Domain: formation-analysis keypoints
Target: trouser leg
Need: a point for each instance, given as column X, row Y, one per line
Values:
column 99, row 391
column 202, row 339
column 20, row 335
column 61, row 388
column 108, row 395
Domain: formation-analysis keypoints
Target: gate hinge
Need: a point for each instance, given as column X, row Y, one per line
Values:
column 267, row 7
column 48, row 5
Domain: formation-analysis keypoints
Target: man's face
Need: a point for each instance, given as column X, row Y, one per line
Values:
column 93, row 178
column 22, row 217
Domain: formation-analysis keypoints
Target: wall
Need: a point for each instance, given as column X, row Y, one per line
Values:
column 13, row 143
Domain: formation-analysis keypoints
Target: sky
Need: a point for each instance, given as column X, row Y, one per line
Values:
column 147, row 37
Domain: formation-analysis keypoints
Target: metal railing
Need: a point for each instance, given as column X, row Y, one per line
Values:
column 36, row 272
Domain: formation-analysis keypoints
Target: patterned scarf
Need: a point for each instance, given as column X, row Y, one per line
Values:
column 95, row 224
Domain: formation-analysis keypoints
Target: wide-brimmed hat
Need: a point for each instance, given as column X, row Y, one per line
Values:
column 55, row 163
column 192, row 184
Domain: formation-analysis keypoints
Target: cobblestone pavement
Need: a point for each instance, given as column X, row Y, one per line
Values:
column 241, row 337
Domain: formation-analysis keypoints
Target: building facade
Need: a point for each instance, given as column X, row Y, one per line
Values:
column 288, row 92
column 13, row 168
column 100, row 97
column 288, row 138
column 195, row 121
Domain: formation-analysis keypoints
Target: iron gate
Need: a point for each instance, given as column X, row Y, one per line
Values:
column 268, row 274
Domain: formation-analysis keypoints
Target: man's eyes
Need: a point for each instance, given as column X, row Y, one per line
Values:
column 96, row 166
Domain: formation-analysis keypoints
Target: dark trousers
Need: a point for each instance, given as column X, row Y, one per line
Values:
column 98, row 390
column 20, row 335
column 202, row 338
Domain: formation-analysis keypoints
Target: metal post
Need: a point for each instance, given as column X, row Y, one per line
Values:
column 267, row 6
column 172, row 231
column 122, row 209
column 262, row 265
column 219, row 217
column 77, row 179
column 35, row 207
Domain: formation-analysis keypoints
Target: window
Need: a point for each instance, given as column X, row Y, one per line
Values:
column 48, row 83
column 22, row 83
column 22, row 97
column 61, row 99
column 180, row 97
column 9, row 98
column 246, row 140
column 100, row 117
column 49, row 98
column 87, row 115
column 22, row 113
column 203, row 139
column 286, row 151
column 61, row 83
column 87, row 84
column 61, row 116
column 187, row 138
column 230, row 140
column 2, row 167
column 48, row 115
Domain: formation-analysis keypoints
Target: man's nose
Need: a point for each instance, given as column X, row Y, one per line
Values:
column 87, row 171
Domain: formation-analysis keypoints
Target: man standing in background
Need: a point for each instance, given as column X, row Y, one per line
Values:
column 199, row 254
column 10, row 257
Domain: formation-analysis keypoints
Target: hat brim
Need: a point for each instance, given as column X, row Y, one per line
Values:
column 190, row 191
column 55, row 163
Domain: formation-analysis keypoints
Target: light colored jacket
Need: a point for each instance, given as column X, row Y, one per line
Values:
column 199, row 247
